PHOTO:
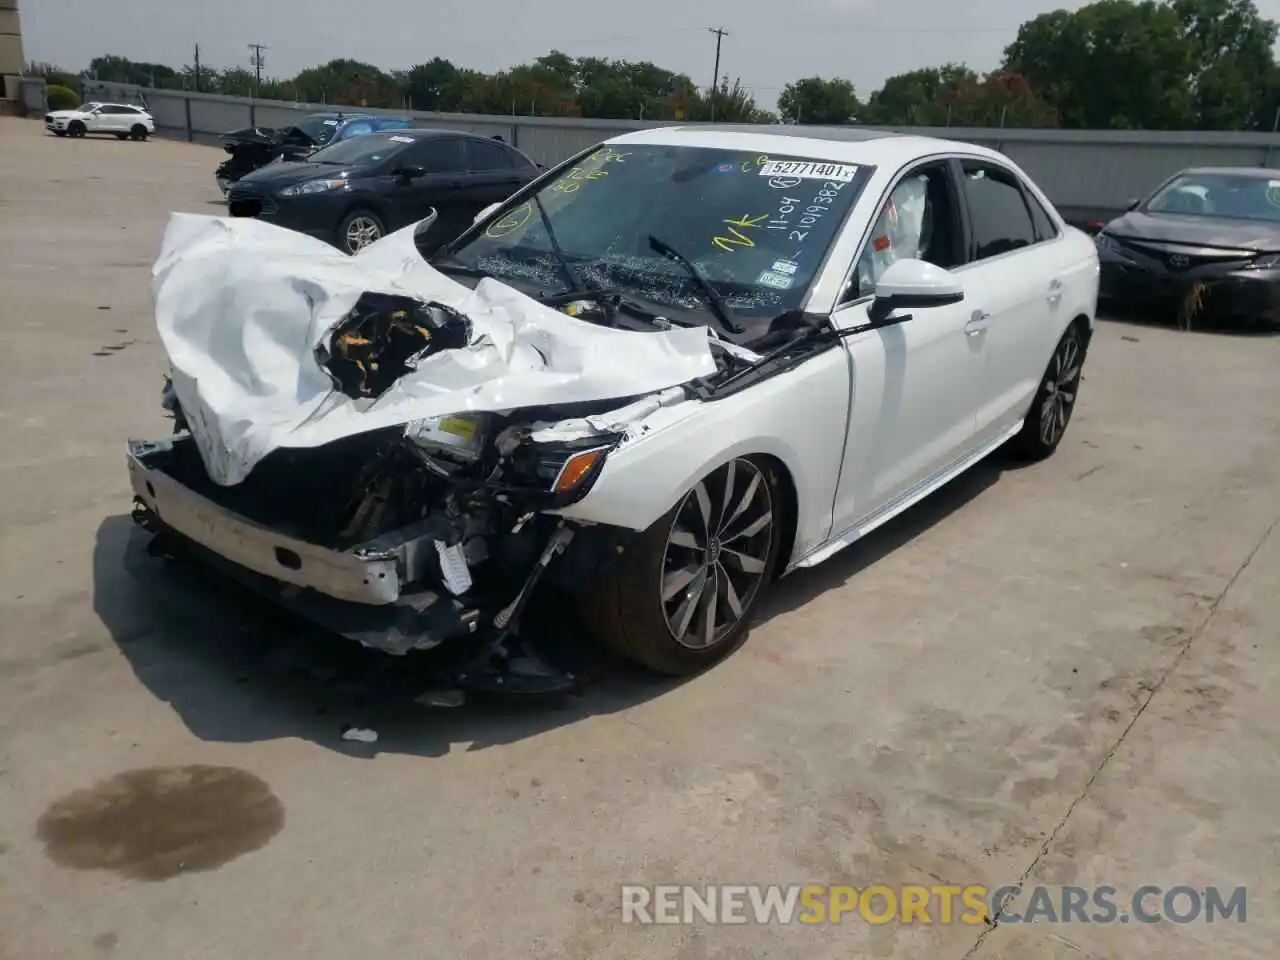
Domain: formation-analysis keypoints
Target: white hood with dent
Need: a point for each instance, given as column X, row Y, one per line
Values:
column 241, row 306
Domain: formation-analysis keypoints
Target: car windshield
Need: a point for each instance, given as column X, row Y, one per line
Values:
column 1230, row 195
column 319, row 130
column 361, row 151
column 636, row 218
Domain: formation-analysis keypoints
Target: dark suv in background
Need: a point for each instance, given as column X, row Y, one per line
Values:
column 354, row 192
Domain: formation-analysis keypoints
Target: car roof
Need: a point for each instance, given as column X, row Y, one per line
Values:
column 1261, row 173
column 426, row 133
column 851, row 144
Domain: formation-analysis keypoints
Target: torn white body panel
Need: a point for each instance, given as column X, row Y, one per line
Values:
column 241, row 306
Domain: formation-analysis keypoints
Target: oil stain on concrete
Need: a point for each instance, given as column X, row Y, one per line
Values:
column 159, row 822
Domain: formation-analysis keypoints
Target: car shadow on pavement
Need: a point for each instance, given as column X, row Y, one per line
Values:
column 236, row 669
column 802, row 586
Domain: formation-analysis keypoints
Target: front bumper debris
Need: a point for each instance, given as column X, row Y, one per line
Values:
column 365, row 593
column 1237, row 296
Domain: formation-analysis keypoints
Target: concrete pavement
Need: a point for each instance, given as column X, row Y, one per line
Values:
column 1063, row 674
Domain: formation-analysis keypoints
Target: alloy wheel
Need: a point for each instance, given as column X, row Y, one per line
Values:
column 361, row 231
column 1061, row 384
column 717, row 554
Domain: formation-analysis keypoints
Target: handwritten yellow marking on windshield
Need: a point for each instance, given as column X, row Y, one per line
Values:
column 511, row 222
column 589, row 169
column 747, row 165
column 737, row 238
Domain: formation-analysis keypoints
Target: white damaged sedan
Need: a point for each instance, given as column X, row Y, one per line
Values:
column 672, row 369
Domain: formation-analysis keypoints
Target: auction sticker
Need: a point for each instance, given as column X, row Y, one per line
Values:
column 776, row 280
column 788, row 267
column 401, row 139
column 809, row 170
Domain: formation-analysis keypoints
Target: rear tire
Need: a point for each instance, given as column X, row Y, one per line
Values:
column 358, row 229
column 138, row 132
column 1055, row 399
column 681, row 599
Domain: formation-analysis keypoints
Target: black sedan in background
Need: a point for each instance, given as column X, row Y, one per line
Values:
column 1205, row 244
column 355, row 191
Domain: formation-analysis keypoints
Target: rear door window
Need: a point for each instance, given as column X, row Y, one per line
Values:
column 486, row 155
column 998, row 211
column 437, row 155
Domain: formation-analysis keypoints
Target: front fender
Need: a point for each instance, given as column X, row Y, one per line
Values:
column 799, row 417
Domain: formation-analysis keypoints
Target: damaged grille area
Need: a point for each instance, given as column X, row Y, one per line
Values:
column 386, row 336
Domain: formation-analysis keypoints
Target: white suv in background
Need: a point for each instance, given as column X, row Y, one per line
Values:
column 123, row 120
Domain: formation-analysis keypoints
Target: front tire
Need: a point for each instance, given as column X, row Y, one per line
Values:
column 682, row 597
column 77, row 129
column 1055, row 399
column 358, row 229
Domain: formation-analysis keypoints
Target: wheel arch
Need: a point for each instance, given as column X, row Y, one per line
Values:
column 617, row 498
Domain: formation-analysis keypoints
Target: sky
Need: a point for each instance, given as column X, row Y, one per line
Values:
column 768, row 42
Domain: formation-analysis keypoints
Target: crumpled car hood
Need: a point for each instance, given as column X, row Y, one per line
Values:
column 242, row 306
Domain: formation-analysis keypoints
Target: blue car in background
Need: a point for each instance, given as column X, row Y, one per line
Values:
column 255, row 147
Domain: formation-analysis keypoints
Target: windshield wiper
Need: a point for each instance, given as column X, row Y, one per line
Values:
column 569, row 278
column 460, row 268
column 613, row 299
column 718, row 306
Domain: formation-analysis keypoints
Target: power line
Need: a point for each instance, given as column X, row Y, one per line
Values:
column 257, row 61
column 715, row 76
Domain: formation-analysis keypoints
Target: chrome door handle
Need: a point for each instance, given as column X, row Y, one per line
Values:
column 978, row 322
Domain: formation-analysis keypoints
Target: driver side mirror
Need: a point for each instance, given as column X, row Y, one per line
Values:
column 912, row 284
column 485, row 212
column 1131, row 204
column 409, row 173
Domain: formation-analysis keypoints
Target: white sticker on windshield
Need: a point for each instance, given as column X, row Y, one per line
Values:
column 776, row 280
column 401, row 139
column 809, row 170
column 788, row 267
column 330, row 123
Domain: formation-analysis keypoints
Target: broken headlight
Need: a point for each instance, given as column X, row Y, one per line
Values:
column 565, row 469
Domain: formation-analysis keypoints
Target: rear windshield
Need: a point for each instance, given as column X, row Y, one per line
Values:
column 319, row 130
column 757, row 226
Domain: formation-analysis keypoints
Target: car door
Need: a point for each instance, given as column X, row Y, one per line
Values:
column 915, row 383
column 1014, row 254
column 118, row 119
column 98, row 120
column 440, row 160
column 494, row 172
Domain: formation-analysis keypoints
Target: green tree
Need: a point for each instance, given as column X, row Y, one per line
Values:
column 113, row 69
column 348, row 83
column 919, row 97
column 815, row 100
column 1151, row 65
column 1232, row 46
column 435, row 85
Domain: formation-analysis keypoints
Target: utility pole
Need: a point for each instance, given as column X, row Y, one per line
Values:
column 197, row 68
column 257, row 61
column 715, row 78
